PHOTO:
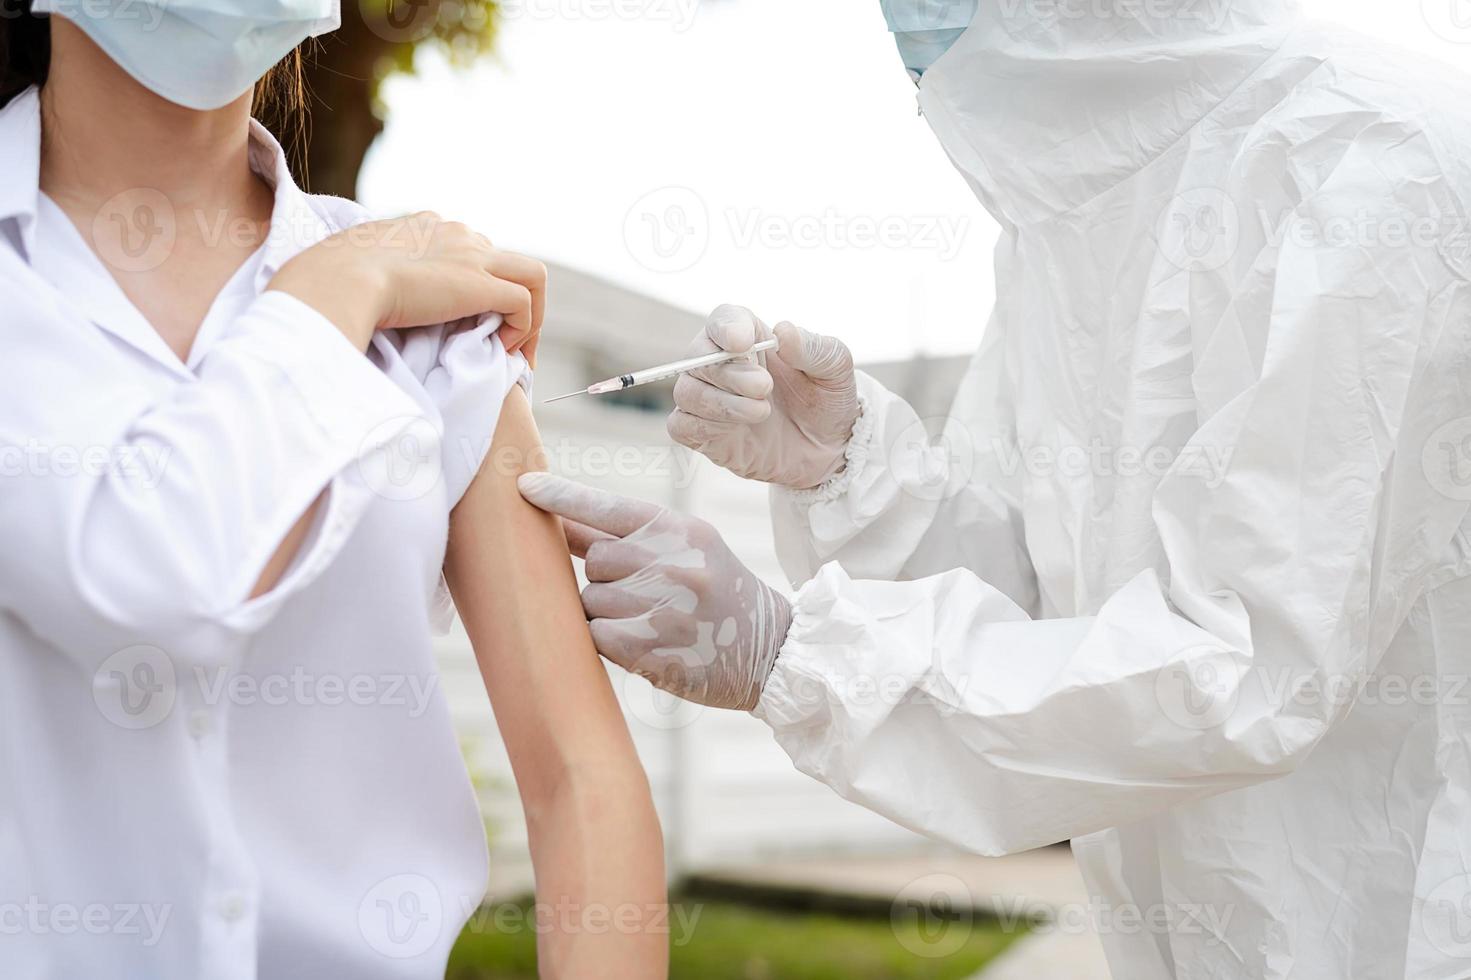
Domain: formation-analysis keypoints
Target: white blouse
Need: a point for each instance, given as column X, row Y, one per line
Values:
column 197, row 784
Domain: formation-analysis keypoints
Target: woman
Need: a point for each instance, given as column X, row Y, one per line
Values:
column 225, row 752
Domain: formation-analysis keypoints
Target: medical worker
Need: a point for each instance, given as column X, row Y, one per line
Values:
column 1186, row 578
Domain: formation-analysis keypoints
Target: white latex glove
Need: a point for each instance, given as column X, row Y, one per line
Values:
column 782, row 419
column 666, row 599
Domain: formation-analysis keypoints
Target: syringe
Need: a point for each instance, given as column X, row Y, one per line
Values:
column 625, row 381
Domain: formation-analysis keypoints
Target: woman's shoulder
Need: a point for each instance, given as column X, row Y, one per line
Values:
column 339, row 213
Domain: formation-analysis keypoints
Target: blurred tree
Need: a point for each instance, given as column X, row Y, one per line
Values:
column 345, row 70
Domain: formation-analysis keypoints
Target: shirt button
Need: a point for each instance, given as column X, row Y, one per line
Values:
column 201, row 723
column 232, row 907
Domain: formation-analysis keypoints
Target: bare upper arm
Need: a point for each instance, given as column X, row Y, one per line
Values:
column 512, row 579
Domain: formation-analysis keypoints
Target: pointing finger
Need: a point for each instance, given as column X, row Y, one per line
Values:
column 597, row 509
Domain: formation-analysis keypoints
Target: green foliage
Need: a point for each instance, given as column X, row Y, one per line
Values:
column 485, row 784
column 463, row 30
column 738, row 942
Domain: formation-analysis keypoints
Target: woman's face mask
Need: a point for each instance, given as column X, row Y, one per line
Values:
column 202, row 54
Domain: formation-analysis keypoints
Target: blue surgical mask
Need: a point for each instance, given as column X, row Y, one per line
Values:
column 202, row 54
column 925, row 29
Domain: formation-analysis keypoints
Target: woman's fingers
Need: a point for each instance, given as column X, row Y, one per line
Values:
column 527, row 272
column 512, row 301
column 530, row 275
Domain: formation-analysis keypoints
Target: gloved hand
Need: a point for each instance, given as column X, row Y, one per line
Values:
column 666, row 599
column 784, row 420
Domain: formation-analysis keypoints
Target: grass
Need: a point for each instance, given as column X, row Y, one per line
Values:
column 724, row 940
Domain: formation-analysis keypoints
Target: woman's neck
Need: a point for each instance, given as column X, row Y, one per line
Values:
column 103, row 134
column 109, row 147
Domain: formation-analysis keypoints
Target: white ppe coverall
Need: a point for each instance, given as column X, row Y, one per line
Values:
column 1187, row 576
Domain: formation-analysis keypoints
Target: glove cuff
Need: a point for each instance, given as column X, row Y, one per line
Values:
column 854, row 456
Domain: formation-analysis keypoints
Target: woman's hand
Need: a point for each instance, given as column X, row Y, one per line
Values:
column 416, row 271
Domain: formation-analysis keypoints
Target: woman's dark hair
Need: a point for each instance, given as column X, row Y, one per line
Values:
column 25, row 56
column 25, row 49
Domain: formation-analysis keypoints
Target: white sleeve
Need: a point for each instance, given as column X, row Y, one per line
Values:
column 159, row 532
column 918, row 497
column 943, row 705
column 464, row 372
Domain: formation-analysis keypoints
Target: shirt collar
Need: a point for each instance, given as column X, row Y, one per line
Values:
column 295, row 224
column 20, row 163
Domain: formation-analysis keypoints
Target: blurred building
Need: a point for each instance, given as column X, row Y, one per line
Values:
column 726, row 793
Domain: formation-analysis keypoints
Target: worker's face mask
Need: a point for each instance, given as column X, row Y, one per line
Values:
column 202, row 54
column 921, row 49
column 925, row 29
